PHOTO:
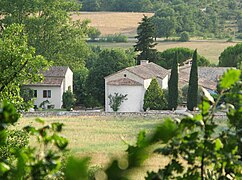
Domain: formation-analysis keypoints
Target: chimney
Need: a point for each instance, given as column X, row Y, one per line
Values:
column 143, row 62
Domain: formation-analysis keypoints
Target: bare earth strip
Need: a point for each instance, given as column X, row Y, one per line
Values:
column 113, row 22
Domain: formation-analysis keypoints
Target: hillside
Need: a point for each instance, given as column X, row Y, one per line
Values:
column 125, row 23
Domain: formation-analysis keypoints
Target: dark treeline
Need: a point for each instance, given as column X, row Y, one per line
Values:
column 210, row 18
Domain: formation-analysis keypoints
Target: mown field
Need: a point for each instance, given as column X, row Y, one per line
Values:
column 125, row 23
column 102, row 137
column 209, row 49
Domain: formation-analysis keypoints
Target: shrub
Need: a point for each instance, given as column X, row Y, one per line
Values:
column 114, row 38
column 116, row 100
column 154, row 97
column 184, row 37
column 231, row 56
column 68, row 99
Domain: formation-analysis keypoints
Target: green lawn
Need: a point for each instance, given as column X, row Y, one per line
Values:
column 101, row 137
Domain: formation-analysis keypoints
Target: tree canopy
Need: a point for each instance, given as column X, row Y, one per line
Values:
column 231, row 56
column 145, row 44
column 107, row 62
column 154, row 97
column 165, row 58
column 19, row 64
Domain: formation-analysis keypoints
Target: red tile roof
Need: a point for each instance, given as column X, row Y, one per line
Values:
column 124, row 82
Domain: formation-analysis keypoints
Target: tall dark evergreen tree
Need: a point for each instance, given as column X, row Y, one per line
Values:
column 193, row 84
column 146, row 42
column 173, row 85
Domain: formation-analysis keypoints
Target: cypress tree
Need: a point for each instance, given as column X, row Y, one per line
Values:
column 193, row 84
column 173, row 85
column 146, row 44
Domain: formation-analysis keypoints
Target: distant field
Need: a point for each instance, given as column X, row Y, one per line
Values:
column 113, row 22
column 209, row 49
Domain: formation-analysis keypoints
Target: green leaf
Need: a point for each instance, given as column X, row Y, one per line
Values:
column 60, row 142
column 165, row 131
column 57, row 127
column 230, row 78
column 77, row 169
column 3, row 168
column 218, row 144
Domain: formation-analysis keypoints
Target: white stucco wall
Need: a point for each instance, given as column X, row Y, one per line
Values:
column 165, row 82
column 56, row 95
column 68, row 81
column 116, row 76
column 135, row 98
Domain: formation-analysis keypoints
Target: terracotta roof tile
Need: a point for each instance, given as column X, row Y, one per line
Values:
column 56, row 71
column 49, row 81
column 207, row 76
column 149, row 70
column 124, row 82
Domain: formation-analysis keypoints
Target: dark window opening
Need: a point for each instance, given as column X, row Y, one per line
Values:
column 35, row 93
column 125, row 75
column 46, row 93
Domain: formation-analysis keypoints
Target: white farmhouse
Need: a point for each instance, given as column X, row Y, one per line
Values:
column 134, row 81
column 56, row 81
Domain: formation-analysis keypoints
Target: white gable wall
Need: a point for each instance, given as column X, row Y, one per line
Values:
column 68, row 80
column 135, row 98
column 109, row 89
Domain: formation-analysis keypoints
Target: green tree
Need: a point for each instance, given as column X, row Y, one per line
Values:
column 184, row 37
column 193, row 84
column 231, row 56
column 146, row 43
column 50, row 30
column 154, row 97
column 68, row 99
column 19, row 64
column 173, row 86
column 165, row 58
column 107, row 62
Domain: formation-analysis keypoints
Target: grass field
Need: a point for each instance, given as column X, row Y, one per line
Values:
column 102, row 137
column 125, row 23
column 209, row 49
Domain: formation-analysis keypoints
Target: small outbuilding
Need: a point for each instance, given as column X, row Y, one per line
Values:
column 133, row 82
column 57, row 80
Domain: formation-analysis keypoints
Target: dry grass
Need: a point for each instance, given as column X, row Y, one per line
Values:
column 209, row 49
column 102, row 137
column 113, row 22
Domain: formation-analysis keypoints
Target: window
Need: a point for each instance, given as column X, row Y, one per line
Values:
column 46, row 93
column 125, row 75
column 35, row 93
